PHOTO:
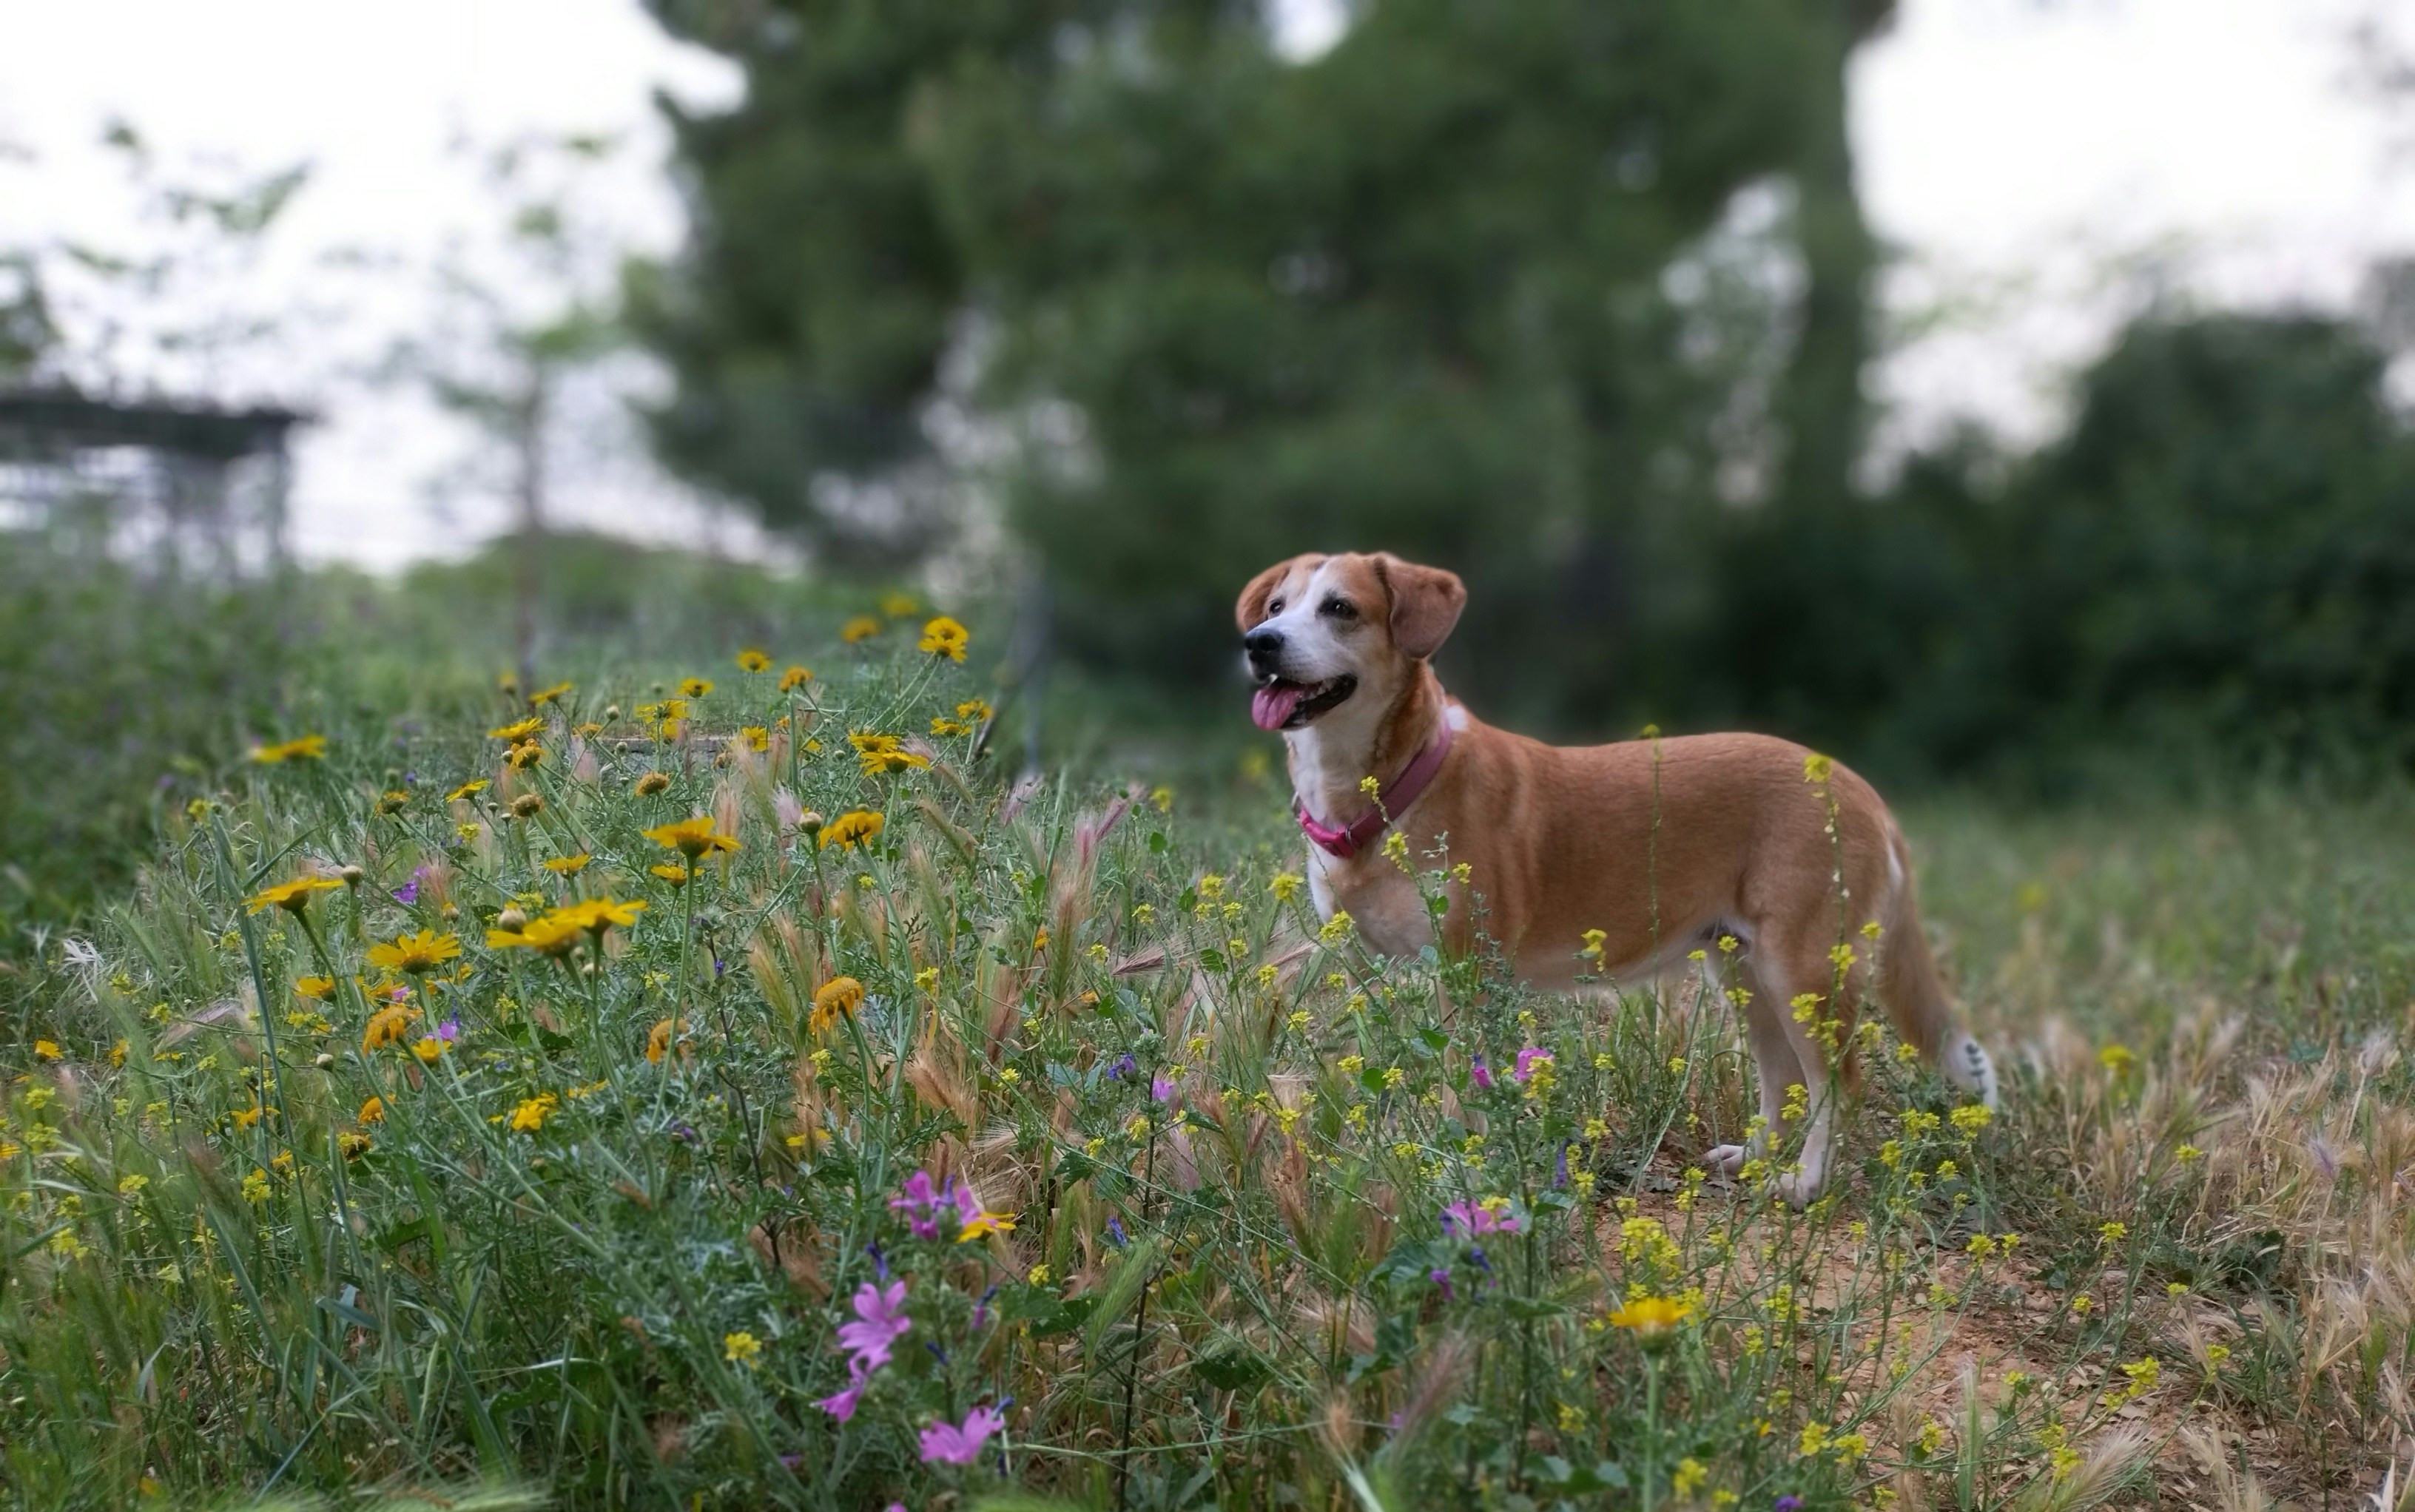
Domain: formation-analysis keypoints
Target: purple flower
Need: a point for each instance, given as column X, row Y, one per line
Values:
column 449, row 1031
column 1162, row 1089
column 407, row 893
column 1124, row 1066
column 1115, row 1232
column 1789, row 1504
column 1468, row 1220
column 880, row 1323
column 1481, row 1076
column 921, row 1201
column 1526, row 1059
column 980, row 1309
column 842, row 1404
column 955, row 1444
column 1440, row 1277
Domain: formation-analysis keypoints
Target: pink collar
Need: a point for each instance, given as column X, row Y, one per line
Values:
column 1394, row 800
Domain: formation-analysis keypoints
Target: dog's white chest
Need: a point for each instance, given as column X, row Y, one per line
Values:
column 1382, row 901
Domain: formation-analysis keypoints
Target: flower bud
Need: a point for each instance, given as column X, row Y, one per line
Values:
column 353, row 876
column 512, row 919
column 528, row 805
column 326, row 1062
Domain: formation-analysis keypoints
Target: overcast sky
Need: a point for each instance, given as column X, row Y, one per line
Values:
column 2010, row 150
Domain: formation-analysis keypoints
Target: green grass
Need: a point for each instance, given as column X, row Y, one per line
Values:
column 559, row 1263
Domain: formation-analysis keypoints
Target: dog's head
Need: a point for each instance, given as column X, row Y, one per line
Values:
column 1317, row 631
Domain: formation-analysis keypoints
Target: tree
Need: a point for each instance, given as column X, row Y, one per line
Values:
column 1224, row 304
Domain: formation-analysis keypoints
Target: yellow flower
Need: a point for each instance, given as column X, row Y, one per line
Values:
column 884, row 754
column 1649, row 1317
column 693, row 838
column 386, row 1026
column 516, row 731
column 795, row 678
column 676, row 875
column 2115, row 1058
column 46, row 1049
column 944, row 637
column 1688, row 1478
column 415, row 955
column 652, row 783
column 427, row 1048
column 899, row 605
column 475, row 786
column 392, row 802
column 548, row 935
column 857, row 828
column 756, row 737
column 861, row 628
column 321, row 988
column 742, row 1348
column 353, row 1145
column 1818, row 768
column 658, row 1041
column 246, row 1118
column 307, row 748
column 983, row 1224
column 292, row 896
column 255, row 1186
column 524, row 756
column 372, row 1112
column 545, row 695
column 694, row 687
column 1286, row 886
column 751, row 660
column 530, row 1115
column 836, row 1000
column 598, row 914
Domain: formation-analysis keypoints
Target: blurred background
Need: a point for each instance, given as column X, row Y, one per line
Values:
column 2007, row 396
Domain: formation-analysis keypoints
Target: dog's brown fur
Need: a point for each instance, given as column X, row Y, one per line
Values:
column 1663, row 844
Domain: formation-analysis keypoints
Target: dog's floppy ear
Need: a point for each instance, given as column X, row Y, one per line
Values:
column 1426, row 602
column 1252, row 608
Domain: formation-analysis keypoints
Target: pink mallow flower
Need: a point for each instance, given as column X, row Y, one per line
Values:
column 1482, row 1075
column 1468, row 1220
column 1526, row 1059
column 842, row 1405
column 921, row 1201
column 955, row 1444
column 880, row 1321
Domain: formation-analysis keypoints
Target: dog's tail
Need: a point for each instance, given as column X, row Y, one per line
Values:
column 1914, row 997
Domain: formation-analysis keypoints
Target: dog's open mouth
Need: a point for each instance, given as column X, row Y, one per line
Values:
column 1279, row 704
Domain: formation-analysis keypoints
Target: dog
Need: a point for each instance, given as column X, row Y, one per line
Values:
column 1666, row 847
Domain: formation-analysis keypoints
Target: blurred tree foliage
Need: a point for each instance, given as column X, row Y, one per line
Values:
column 1223, row 305
column 2215, row 570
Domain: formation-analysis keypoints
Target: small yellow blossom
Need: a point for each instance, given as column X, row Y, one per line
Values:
column 751, row 660
column 857, row 828
column 306, row 748
column 944, row 637
column 742, row 1348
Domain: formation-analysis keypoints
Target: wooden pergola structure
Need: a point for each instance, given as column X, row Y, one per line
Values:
column 188, row 487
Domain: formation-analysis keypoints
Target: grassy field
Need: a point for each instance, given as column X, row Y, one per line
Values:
column 757, row 1099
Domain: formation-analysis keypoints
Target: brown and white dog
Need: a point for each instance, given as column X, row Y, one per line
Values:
column 1662, row 845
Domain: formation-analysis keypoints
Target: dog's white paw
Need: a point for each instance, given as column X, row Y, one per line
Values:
column 1800, row 1189
column 1966, row 1063
column 1727, row 1159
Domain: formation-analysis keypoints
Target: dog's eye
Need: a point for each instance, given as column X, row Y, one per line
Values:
column 1274, row 607
column 1340, row 609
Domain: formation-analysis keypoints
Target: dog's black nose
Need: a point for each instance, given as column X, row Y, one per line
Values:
column 1262, row 643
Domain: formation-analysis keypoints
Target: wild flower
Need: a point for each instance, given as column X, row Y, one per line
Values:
column 1466, row 1219
column 834, row 1000
column 372, row 1112
column 529, row 1116
column 597, row 915
column 751, row 660
column 880, row 1321
column 302, row 748
column 652, row 783
column 415, row 954
column 468, row 789
column 694, row 838
column 960, row 1444
column 518, row 730
column 943, row 636
column 795, row 678
column 860, row 629
column 694, row 687
column 1648, row 1317
column 884, row 754
column 547, row 936
column 857, row 828
column 567, row 865
column 291, row 896
column 742, row 1348
column 387, row 1027
column 551, row 694
column 318, row 989
column 658, row 1041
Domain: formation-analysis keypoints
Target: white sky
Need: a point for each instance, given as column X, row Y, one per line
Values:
column 2040, row 165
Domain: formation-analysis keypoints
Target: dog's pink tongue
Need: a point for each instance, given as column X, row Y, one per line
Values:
column 1272, row 704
